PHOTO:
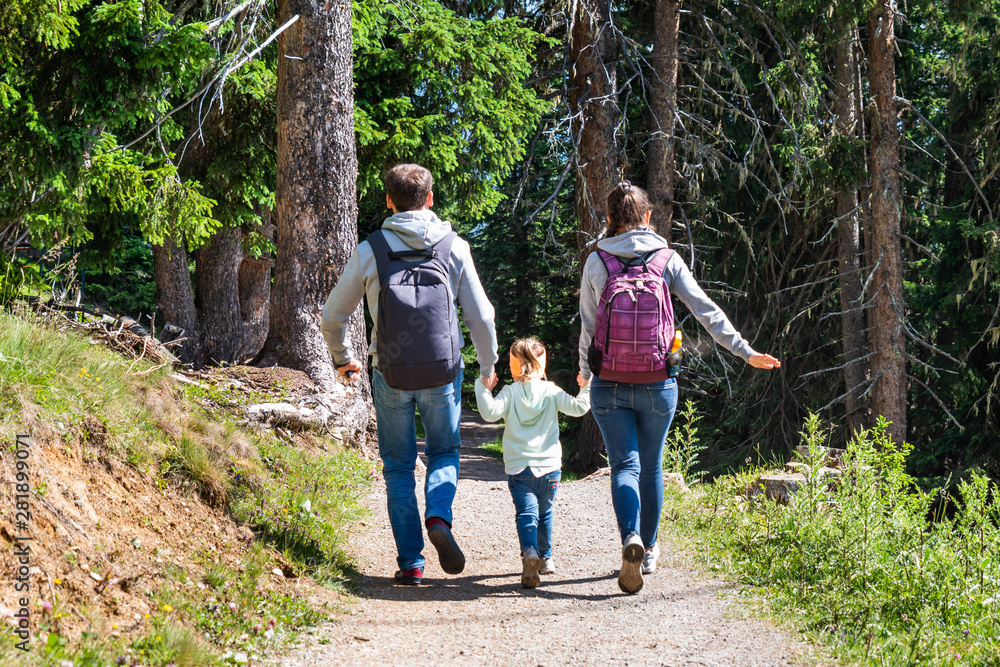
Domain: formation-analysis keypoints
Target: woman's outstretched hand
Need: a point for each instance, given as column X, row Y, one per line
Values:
column 758, row 360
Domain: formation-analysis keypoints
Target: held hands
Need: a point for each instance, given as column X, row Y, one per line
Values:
column 758, row 360
column 580, row 381
column 350, row 370
column 491, row 381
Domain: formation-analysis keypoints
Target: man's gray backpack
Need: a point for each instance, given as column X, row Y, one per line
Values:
column 417, row 331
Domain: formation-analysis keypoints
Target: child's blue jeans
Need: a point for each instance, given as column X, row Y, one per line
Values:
column 533, row 498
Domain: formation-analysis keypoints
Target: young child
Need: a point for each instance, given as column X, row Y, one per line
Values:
column 532, row 454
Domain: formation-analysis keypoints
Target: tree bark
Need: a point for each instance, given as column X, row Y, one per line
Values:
column 849, row 241
column 663, row 107
column 595, row 116
column 888, row 342
column 175, row 297
column 226, row 334
column 316, row 193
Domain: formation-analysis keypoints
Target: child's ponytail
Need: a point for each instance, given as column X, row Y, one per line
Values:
column 530, row 355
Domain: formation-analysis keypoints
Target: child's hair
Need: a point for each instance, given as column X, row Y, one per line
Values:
column 408, row 186
column 529, row 352
column 627, row 207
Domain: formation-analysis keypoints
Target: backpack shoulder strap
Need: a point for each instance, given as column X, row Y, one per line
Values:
column 657, row 263
column 442, row 249
column 381, row 250
column 611, row 263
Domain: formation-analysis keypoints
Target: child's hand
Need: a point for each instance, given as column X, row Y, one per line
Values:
column 580, row 381
column 491, row 381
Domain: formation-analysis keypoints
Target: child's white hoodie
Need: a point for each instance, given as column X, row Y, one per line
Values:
column 530, row 411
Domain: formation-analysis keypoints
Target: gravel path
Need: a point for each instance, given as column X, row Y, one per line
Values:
column 577, row 615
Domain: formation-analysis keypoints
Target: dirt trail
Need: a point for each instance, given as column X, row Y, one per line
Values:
column 577, row 616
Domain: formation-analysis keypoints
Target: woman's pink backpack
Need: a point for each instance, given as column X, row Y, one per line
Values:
column 635, row 320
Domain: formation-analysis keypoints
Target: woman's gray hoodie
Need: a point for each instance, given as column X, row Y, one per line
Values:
column 679, row 280
column 417, row 230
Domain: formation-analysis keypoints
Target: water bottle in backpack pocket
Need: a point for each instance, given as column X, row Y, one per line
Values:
column 418, row 339
column 634, row 329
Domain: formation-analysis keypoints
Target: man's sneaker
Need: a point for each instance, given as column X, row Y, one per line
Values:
column 548, row 566
column 452, row 558
column 530, row 563
column 630, row 576
column 409, row 577
column 649, row 559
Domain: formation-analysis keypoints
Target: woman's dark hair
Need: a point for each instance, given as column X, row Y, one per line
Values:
column 627, row 207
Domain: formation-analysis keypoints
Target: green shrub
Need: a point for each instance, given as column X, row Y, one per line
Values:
column 857, row 561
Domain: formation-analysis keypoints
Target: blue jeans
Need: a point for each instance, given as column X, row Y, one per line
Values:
column 440, row 411
column 533, row 498
column 634, row 420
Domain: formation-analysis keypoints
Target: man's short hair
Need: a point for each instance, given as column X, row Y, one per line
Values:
column 408, row 186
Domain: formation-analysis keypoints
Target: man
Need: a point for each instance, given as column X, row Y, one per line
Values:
column 413, row 239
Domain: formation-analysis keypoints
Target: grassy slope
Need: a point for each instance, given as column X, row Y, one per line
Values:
column 196, row 526
column 868, row 567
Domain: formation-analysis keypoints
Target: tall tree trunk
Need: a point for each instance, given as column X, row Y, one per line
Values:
column 849, row 238
column 175, row 298
column 885, row 254
column 596, row 115
column 254, row 283
column 316, row 199
column 226, row 335
column 663, row 107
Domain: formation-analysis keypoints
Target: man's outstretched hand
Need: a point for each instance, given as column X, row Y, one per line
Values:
column 758, row 360
column 350, row 370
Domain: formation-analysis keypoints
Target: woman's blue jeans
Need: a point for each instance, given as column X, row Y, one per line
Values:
column 634, row 420
column 440, row 412
column 533, row 498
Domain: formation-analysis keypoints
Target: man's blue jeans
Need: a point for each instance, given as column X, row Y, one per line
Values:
column 533, row 498
column 634, row 420
column 440, row 411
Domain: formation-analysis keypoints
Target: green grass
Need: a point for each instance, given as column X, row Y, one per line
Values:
column 302, row 503
column 867, row 566
column 60, row 378
column 494, row 448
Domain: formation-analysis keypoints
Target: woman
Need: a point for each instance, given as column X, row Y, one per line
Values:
column 634, row 417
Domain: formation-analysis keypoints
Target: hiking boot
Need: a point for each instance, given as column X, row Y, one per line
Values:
column 530, row 563
column 548, row 566
column 649, row 559
column 630, row 576
column 411, row 577
column 452, row 558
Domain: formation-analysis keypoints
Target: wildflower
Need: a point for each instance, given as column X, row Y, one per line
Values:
column 965, row 632
column 167, row 608
column 147, row 615
column 57, row 582
column 47, row 607
column 232, row 606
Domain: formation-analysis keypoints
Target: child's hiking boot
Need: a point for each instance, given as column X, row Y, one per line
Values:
column 439, row 533
column 411, row 577
column 649, row 559
column 630, row 576
column 548, row 566
column 530, row 563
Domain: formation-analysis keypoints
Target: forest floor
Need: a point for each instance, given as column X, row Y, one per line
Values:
column 577, row 616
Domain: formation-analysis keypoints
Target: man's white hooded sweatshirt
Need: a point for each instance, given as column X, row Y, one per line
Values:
column 530, row 410
column 416, row 230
